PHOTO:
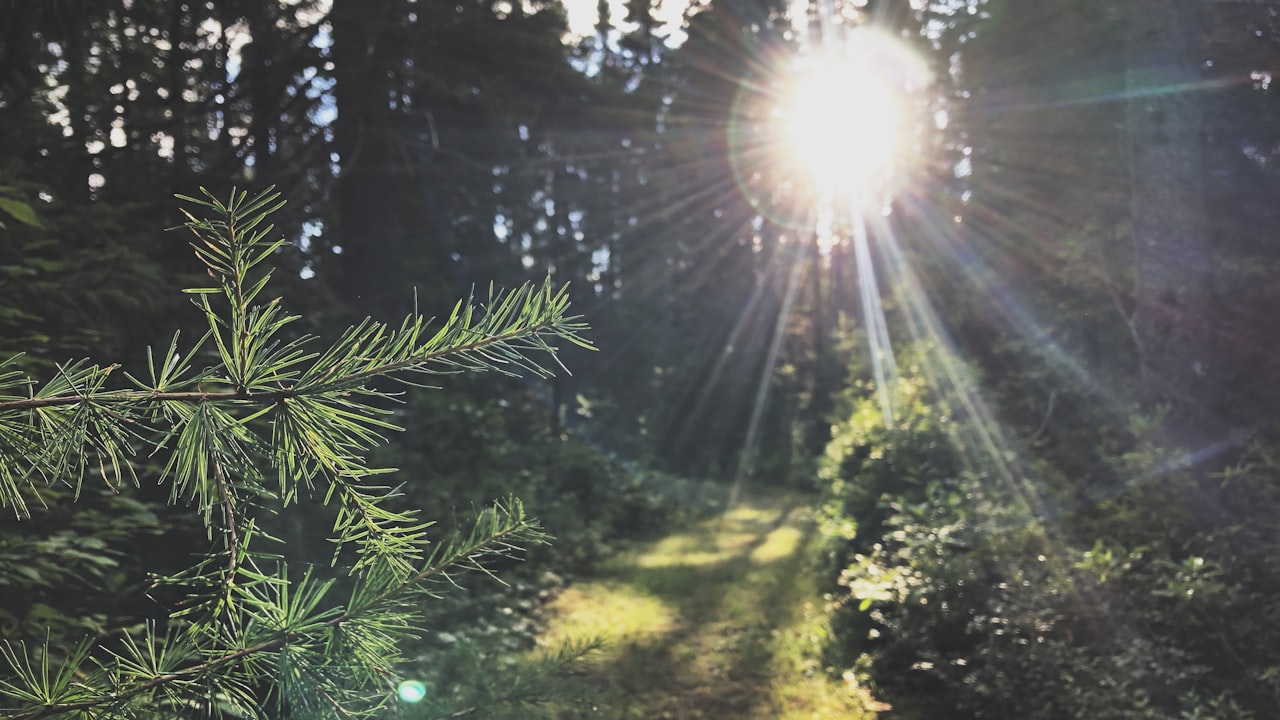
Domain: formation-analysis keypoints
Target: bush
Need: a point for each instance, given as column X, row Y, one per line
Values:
column 968, row 593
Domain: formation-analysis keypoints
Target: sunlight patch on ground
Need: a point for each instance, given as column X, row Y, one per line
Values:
column 721, row 620
column 778, row 545
column 690, row 549
column 609, row 611
column 802, row 688
column 708, row 543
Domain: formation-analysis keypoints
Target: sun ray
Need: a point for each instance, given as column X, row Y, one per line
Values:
column 844, row 122
column 884, row 367
column 746, row 460
column 727, row 350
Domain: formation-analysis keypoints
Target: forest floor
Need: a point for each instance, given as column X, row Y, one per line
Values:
column 721, row 620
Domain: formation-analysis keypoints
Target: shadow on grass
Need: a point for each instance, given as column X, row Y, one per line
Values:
column 725, row 586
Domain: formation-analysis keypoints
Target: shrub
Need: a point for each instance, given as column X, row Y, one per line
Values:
column 967, row 593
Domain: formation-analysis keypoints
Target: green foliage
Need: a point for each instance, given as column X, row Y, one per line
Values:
column 956, row 599
column 475, row 448
column 17, row 209
column 57, row 569
column 474, row 444
column 267, row 421
column 471, row 678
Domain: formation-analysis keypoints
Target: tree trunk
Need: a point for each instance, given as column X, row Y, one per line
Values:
column 364, row 52
column 261, row 72
column 1172, row 253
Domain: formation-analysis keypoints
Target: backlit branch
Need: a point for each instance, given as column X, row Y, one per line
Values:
column 268, row 404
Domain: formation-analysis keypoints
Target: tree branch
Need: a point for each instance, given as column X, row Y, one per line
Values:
column 229, row 517
column 444, row 560
column 268, row 396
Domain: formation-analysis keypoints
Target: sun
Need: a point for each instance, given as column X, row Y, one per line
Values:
column 844, row 118
column 841, row 126
column 833, row 127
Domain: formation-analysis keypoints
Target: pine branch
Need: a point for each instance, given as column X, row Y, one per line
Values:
column 246, row 627
column 489, row 536
column 126, row 397
column 501, row 338
column 229, row 521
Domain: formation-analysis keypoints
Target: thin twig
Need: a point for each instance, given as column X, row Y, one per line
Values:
column 229, row 517
column 1048, row 413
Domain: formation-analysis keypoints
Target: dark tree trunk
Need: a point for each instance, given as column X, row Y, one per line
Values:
column 1172, row 253
column 75, row 187
column 364, row 51
column 176, row 83
column 266, row 88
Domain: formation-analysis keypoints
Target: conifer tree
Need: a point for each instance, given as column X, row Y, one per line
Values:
column 249, row 419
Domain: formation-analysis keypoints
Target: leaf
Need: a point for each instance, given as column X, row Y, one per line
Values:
column 20, row 211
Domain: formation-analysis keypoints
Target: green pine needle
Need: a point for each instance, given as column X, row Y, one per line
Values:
column 274, row 405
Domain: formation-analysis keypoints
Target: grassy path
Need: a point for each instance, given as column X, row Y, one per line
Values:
column 716, row 622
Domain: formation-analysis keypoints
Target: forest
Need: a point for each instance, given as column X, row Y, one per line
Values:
column 904, row 358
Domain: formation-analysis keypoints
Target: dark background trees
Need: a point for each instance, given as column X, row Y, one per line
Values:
column 1091, row 218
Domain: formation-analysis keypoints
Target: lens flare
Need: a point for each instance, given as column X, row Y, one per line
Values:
column 411, row 691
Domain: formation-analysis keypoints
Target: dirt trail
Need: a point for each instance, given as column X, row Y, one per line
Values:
column 715, row 622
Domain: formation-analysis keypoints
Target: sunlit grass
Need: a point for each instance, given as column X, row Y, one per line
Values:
column 778, row 545
column 706, row 544
column 803, row 688
column 609, row 610
column 722, row 620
